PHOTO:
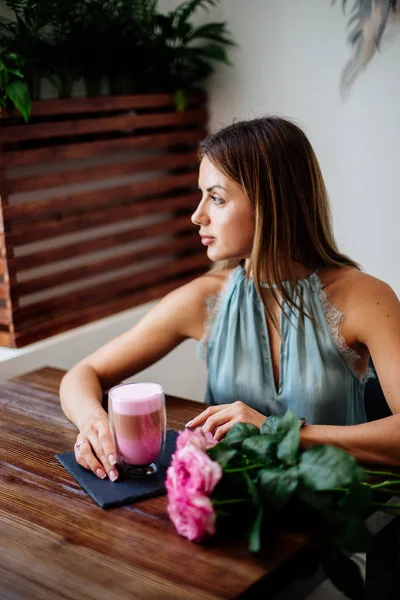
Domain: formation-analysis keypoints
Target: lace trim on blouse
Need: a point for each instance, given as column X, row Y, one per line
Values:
column 334, row 319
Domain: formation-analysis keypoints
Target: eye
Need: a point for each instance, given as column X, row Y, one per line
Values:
column 218, row 201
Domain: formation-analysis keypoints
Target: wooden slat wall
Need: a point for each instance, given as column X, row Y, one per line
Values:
column 80, row 167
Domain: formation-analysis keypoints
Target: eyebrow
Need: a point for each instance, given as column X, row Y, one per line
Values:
column 212, row 187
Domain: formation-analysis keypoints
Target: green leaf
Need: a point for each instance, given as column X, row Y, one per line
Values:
column 357, row 498
column 181, row 100
column 239, row 432
column 214, row 52
column 288, row 449
column 16, row 72
column 261, row 448
column 251, row 488
column 18, row 93
column 271, row 424
column 277, row 486
column 255, row 532
column 343, row 573
column 321, row 501
column 222, row 453
column 352, row 534
column 324, row 467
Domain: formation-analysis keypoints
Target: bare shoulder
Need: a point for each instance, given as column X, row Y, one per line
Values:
column 358, row 294
column 188, row 302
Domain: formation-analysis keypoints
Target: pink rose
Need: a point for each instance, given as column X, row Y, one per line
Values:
column 199, row 438
column 191, row 478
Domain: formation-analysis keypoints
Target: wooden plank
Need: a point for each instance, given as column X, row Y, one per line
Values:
column 18, row 133
column 42, row 311
column 99, row 172
column 5, row 316
column 7, row 339
column 53, row 227
column 45, row 257
column 89, row 269
column 60, row 205
column 70, row 106
column 59, row 153
column 39, row 564
column 87, row 315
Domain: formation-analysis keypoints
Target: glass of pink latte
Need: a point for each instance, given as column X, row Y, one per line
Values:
column 138, row 422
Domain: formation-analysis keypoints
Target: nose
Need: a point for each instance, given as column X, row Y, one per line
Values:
column 200, row 217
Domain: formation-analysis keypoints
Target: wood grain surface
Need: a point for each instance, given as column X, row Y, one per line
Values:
column 56, row 543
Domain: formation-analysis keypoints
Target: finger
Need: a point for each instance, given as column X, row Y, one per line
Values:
column 221, row 431
column 203, row 416
column 105, row 465
column 216, row 420
column 107, row 442
column 85, row 457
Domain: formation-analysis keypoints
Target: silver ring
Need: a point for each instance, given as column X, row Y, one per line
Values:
column 79, row 444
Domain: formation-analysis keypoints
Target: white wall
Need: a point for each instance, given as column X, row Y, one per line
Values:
column 288, row 61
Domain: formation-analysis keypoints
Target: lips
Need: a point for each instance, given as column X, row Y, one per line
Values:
column 206, row 239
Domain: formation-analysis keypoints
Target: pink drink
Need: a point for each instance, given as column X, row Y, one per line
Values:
column 137, row 413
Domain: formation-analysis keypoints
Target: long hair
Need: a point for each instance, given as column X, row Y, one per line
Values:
column 273, row 161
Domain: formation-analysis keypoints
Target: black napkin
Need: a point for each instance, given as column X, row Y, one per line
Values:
column 108, row 494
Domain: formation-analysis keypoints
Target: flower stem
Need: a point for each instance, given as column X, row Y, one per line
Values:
column 230, row 501
column 386, row 505
column 383, row 484
column 385, row 473
column 241, row 469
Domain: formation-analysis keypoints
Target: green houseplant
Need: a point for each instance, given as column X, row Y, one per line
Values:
column 130, row 42
column 12, row 87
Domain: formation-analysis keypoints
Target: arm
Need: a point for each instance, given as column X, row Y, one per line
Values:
column 374, row 314
column 181, row 314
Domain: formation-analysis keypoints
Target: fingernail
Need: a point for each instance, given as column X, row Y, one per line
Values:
column 188, row 424
column 100, row 473
column 112, row 459
column 113, row 475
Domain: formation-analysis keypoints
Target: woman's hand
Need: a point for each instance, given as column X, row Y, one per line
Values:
column 94, row 448
column 219, row 419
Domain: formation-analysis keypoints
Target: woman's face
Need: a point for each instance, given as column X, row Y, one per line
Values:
column 225, row 215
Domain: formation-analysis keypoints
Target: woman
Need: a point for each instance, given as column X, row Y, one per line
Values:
column 285, row 318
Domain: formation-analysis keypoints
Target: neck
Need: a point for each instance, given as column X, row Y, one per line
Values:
column 294, row 270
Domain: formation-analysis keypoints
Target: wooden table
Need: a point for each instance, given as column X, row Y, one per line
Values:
column 56, row 543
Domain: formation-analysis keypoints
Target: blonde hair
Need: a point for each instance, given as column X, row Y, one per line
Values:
column 273, row 161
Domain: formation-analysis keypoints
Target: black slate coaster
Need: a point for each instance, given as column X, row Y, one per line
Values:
column 108, row 494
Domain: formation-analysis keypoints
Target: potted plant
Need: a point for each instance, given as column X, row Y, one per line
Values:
column 130, row 42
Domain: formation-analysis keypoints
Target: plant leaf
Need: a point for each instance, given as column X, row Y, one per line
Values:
column 352, row 534
column 255, row 532
column 271, row 424
column 357, row 498
column 18, row 93
column 239, row 432
column 181, row 100
column 222, row 453
column 288, row 449
column 261, row 448
column 325, row 467
column 277, row 486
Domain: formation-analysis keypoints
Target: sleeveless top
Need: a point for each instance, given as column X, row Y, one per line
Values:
column 317, row 377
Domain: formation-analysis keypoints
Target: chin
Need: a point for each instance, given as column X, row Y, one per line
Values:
column 216, row 256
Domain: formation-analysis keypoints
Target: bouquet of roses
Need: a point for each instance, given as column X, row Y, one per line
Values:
column 267, row 472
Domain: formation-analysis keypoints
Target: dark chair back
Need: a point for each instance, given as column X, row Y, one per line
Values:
column 375, row 403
